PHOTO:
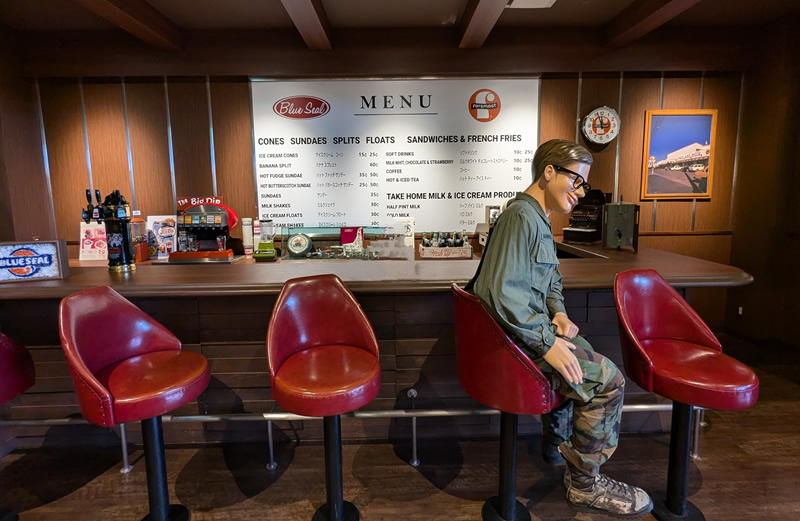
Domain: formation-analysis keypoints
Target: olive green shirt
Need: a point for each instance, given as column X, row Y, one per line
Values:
column 519, row 281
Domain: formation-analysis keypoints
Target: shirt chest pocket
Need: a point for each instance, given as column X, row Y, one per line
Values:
column 544, row 266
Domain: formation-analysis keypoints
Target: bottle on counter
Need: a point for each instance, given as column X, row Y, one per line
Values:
column 247, row 236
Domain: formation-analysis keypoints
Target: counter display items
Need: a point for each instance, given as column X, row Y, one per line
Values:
column 203, row 233
column 115, row 213
column 265, row 251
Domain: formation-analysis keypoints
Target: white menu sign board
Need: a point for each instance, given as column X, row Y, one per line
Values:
column 362, row 153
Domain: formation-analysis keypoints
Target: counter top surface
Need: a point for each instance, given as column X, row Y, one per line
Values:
column 395, row 276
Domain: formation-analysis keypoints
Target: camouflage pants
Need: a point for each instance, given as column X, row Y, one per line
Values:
column 586, row 425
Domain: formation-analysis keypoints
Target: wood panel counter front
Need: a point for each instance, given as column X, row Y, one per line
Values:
column 222, row 311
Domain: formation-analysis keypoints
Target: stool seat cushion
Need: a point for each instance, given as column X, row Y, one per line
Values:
column 327, row 380
column 701, row 376
column 154, row 383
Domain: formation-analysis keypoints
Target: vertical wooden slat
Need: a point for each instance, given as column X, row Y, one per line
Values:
column 147, row 121
column 721, row 93
column 27, row 205
column 61, row 110
column 600, row 89
column 559, row 105
column 188, row 103
column 641, row 92
column 680, row 92
column 230, row 106
column 105, row 124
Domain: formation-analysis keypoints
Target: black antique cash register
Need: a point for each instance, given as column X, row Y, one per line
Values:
column 586, row 220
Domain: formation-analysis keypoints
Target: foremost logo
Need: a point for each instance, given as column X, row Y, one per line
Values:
column 484, row 105
column 301, row 107
column 25, row 262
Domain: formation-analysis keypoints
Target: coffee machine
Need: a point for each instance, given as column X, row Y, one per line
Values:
column 586, row 219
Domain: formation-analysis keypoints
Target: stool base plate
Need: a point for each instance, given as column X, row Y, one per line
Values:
column 176, row 513
column 491, row 511
column 662, row 513
column 349, row 513
column 7, row 515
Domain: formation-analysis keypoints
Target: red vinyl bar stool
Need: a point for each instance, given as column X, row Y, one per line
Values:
column 323, row 361
column 486, row 355
column 17, row 375
column 127, row 367
column 669, row 350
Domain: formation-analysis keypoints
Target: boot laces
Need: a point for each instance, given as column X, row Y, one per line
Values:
column 613, row 485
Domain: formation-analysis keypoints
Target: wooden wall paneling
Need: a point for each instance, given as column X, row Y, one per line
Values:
column 188, row 105
column 233, row 146
column 639, row 93
column 708, row 302
column 680, row 92
column 600, row 89
column 721, row 92
column 24, row 187
column 559, row 106
column 147, row 121
column 63, row 124
column 108, row 148
column 715, row 248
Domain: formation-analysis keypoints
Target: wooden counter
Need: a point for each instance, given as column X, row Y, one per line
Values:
column 595, row 271
column 222, row 311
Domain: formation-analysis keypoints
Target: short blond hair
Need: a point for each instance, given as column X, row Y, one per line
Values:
column 558, row 152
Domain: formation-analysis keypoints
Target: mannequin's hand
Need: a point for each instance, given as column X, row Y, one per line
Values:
column 561, row 359
column 566, row 327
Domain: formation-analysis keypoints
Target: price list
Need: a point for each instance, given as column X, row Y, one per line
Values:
column 363, row 153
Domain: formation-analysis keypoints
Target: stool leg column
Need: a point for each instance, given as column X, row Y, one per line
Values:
column 674, row 506
column 678, row 474
column 333, row 466
column 156, row 468
column 505, row 507
column 508, row 464
column 156, row 465
column 336, row 509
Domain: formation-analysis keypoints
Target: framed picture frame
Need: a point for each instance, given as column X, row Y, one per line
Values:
column 679, row 147
column 492, row 213
column 33, row 261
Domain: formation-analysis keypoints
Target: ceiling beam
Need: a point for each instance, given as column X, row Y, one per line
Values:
column 139, row 19
column 641, row 17
column 311, row 21
column 478, row 21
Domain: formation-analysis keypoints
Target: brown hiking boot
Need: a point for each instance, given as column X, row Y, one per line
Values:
column 607, row 496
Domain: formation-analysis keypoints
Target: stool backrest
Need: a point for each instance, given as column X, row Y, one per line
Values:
column 99, row 327
column 17, row 372
column 312, row 312
column 491, row 367
column 649, row 308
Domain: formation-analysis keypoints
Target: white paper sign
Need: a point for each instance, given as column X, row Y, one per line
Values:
column 93, row 242
column 362, row 153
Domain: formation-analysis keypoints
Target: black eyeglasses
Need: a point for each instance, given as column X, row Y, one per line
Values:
column 578, row 181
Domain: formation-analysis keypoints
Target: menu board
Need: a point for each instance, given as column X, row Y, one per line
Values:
column 364, row 152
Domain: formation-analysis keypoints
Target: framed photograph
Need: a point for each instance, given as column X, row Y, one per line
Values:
column 679, row 154
column 492, row 213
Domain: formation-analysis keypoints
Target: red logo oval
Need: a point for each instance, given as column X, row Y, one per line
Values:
column 25, row 271
column 301, row 107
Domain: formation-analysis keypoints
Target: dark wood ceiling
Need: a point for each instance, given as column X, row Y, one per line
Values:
column 161, row 23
